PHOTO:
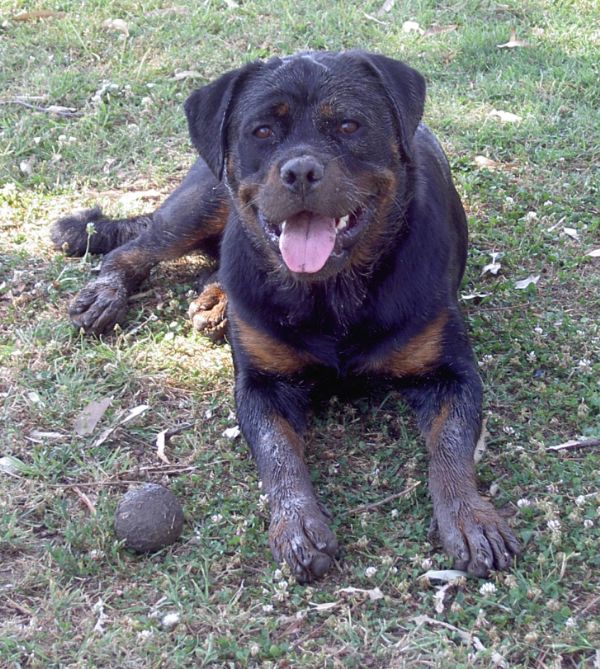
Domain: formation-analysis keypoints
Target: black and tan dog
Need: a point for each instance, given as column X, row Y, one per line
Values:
column 342, row 246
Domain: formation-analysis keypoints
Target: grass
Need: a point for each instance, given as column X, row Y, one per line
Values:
column 70, row 596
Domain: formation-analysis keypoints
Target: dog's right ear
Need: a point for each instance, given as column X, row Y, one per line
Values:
column 208, row 110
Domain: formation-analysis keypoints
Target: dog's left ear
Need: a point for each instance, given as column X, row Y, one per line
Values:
column 405, row 89
column 208, row 110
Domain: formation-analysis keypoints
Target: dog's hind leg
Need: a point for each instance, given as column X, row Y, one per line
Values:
column 191, row 218
column 75, row 236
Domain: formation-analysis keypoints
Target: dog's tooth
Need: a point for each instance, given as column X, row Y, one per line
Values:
column 343, row 223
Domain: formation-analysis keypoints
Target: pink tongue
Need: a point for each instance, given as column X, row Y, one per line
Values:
column 306, row 241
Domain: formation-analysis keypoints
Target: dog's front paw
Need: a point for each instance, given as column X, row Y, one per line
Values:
column 475, row 535
column 100, row 305
column 302, row 538
column 208, row 311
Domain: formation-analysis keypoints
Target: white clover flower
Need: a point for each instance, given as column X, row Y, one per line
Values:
column 553, row 525
column 588, row 523
column 580, row 500
column 394, row 513
column 216, row 518
column 370, row 572
column 570, row 622
column 487, row 589
column 267, row 608
column 144, row 634
column 521, row 503
column 169, row 621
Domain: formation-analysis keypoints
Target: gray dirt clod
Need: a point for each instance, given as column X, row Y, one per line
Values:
column 148, row 518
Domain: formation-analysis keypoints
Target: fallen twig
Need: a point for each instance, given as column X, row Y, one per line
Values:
column 116, row 481
column 18, row 607
column 466, row 637
column 56, row 110
column 85, row 499
column 382, row 502
column 575, row 443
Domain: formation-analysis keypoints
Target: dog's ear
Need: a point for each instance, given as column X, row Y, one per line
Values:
column 208, row 110
column 405, row 89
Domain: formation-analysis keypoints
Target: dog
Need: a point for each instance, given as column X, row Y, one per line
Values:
column 342, row 243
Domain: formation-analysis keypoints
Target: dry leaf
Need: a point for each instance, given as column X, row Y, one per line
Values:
column 12, row 466
column 373, row 594
column 386, row 7
column 231, row 4
column 493, row 267
column 59, row 110
column 161, row 442
column 525, row 283
column 26, row 166
column 39, row 14
column 184, row 11
column 467, row 297
column 232, row 432
column 325, row 606
column 443, row 575
column 85, row 423
column 513, row 42
column 593, row 254
column 98, row 609
column 187, row 74
column 480, row 446
column 504, row 116
column 485, row 163
column 412, row 27
column 117, row 25
column 133, row 413
column 572, row 233
column 39, row 436
column 440, row 30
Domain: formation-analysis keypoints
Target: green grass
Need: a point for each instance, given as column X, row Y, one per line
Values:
column 70, row 596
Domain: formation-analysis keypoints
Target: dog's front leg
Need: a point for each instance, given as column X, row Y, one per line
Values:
column 271, row 410
column 471, row 530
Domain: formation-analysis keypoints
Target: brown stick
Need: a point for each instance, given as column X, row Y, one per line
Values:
column 382, row 502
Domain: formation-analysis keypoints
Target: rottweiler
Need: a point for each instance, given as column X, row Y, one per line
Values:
column 342, row 242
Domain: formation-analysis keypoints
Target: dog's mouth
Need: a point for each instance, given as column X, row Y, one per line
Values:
column 307, row 240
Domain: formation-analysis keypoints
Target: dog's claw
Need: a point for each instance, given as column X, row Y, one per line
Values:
column 100, row 305
column 477, row 537
column 304, row 540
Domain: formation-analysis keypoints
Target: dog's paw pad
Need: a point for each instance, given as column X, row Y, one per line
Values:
column 208, row 311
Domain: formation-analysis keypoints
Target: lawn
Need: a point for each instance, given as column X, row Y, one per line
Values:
column 91, row 112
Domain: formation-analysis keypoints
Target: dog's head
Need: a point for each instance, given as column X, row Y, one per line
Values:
column 314, row 149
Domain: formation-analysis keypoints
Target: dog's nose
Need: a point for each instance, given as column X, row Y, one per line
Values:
column 302, row 173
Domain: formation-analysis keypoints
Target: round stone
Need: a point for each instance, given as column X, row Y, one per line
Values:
column 148, row 518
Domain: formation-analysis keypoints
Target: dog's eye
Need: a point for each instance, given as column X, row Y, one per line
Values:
column 348, row 127
column 263, row 132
